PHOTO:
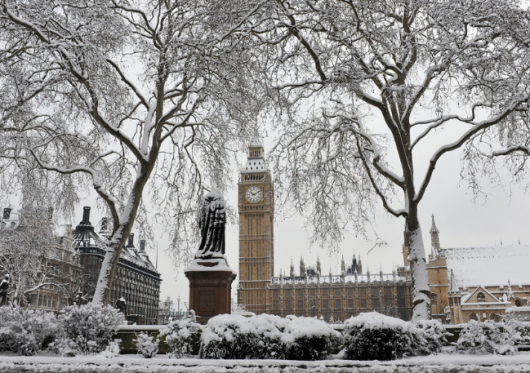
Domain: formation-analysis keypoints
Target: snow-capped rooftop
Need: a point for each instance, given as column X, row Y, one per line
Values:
column 86, row 237
column 487, row 266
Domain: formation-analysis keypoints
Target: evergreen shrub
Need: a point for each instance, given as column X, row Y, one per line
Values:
column 499, row 338
column 24, row 331
column 147, row 345
column 87, row 329
column 181, row 336
column 373, row 336
column 267, row 337
column 310, row 339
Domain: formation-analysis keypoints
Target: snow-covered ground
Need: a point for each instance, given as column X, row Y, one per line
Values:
column 443, row 363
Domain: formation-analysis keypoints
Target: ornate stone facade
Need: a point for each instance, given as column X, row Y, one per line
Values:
column 137, row 280
column 475, row 283
column 256, row 231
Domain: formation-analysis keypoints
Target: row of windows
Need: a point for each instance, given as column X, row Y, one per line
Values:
column 326, row 304
column 327, row 292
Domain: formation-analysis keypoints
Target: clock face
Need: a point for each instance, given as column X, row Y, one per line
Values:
column 254, row 194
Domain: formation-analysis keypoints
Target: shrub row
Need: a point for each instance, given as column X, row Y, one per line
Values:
column 499, row 338
column 86, row 329
column 370, row 336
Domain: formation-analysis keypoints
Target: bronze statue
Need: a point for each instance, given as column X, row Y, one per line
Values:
column 212, row 225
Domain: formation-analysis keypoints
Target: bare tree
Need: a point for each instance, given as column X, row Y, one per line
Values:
column 34, row 256
column 358, row 86
column 133, row 97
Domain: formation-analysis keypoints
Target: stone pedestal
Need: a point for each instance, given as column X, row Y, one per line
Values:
column 210, row 288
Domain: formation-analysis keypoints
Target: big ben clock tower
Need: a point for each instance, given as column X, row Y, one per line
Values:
column 256, row 234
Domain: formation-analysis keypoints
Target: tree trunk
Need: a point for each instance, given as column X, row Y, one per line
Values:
column 421, row 300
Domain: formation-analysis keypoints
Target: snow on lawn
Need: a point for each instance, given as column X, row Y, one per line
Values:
column 443, row 363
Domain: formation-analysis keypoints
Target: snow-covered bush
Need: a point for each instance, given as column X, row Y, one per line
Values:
column 309, row 339
column 430, row 337
column 266, row 340
column 23, row 330
column 180, row 336
column 228, row 337
column 373, row 336
column 267, row 337
column 87, row 329
column 147, row 346
column 113, row 349
column 492, row 337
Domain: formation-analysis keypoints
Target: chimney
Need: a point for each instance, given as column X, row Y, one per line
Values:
column 86, row 215
column 142, row 246
column 7, row 213
column 84, row 225
column 130, row 243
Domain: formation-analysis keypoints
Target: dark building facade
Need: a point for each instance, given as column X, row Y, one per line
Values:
column 137, row 280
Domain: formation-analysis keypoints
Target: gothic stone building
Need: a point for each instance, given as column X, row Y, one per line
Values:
column 466, row 283
column 137, row 280
column 476, row 283
column 311, row 293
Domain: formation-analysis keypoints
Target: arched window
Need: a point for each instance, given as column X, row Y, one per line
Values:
column 473, row 316
column 481, row 297
column 518, row 302
column 495, row 317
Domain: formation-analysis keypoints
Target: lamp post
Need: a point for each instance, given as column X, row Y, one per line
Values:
column 178, row 303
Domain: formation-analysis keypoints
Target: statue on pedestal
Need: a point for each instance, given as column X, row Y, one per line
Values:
column 212, row 225
column 209, row 274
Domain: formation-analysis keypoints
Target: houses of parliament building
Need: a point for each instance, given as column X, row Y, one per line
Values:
column 308, row 292
column 469, row 283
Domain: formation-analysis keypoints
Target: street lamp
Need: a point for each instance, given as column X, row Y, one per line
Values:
column 178, row 302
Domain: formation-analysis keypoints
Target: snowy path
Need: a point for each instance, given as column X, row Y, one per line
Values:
column 443, row 363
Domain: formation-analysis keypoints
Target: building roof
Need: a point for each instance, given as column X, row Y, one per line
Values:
column 487, row 266
column 86, row 237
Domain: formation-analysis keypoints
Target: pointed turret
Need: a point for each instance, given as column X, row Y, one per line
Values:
column 342, row 266
column 359, row 265
column 302, row 267
column 292, row 268
column 510, row 292
column 435, row 239
column 452, row 283
column 319, row 270
column 455, row 297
